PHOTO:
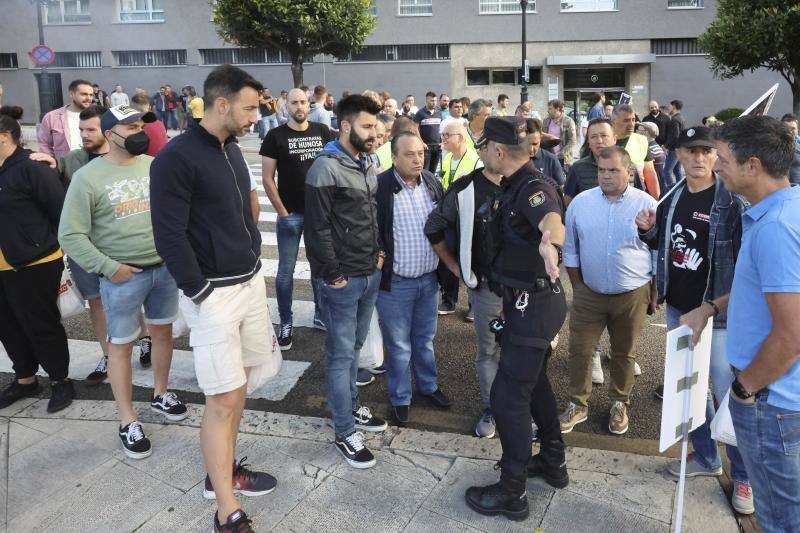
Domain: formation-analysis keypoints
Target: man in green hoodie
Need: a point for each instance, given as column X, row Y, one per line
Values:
column 106, row 229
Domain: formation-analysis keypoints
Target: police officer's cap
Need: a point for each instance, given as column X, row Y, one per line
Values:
column 503, row 130
column 696, row 136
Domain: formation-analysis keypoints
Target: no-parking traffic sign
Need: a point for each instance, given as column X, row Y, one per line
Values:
column 42, row 55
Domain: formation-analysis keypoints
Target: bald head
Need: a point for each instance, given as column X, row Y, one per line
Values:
column 297, row 105
column 454, row 137
column 653, row 107
column 390, row 106
column 380, row 134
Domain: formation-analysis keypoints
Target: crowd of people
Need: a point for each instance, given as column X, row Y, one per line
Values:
column 398, row 205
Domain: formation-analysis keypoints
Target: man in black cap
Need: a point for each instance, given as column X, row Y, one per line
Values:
column 525, row 231
column 697, row 233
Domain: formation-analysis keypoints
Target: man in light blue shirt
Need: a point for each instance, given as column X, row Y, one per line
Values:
column 754, row 156
column 610, row 270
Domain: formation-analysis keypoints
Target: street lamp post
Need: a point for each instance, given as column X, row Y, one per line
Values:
column 523, row 96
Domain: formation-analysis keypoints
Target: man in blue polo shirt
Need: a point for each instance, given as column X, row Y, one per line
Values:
column 755, row 154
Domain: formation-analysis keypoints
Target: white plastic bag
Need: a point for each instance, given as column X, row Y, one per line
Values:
column 179, row 327
column 261, row 374
column 371, row 355
column 70, row 299
column 722, row 424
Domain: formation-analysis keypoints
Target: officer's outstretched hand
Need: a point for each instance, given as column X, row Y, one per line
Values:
column 550, row 256
column 646, row 219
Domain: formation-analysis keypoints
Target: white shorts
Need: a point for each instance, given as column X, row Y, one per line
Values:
column 230, row 331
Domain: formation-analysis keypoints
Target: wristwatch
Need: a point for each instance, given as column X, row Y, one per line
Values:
column 713, row 306
column 560, row 252
column 739, row 390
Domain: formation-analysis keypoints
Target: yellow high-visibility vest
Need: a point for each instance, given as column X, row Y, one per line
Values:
column 468, row 162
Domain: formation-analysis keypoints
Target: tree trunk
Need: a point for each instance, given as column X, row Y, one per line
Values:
column 297, row 70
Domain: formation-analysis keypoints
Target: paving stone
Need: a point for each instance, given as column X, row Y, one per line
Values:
column 426, row 521
column 113, row 497
column 574, row 513
column 447, row 444
column 615, row 462
column 4, row 445
column 447, row 498
column 706, row 508
column 176, row 460
column 17, row 406
column 31, row 478
column 20, row 437
column 381, row 499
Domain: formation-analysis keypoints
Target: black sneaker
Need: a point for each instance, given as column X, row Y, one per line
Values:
column 366, row 421
column 446, row 308
column 61, row 395
column 15, row 391
column 439, row 399
column 319, row 324
column 135, row 444
column 100, row 372
column 364, row 377
column 237, row 522
column 378, row 370
column 659, row 392
column 495, row 500
column 145, row 351
column 170, row 406
column 400, row 414
column 353, row 450
column 245, row 482
column 285, row 337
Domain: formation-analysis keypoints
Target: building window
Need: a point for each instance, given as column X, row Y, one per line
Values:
column 141, row 10
column 577, row 6
column 241, row 56
column 684, row 4
column 400, row 52
column 77, row 60
column 415, row 8
column 503, row 7
column 150, row 58
column 675, row 47
column 477, row 77
column 66, row 12
column 8, row 60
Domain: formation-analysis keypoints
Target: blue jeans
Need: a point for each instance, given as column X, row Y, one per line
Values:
column 348, row 312
column 173, row 118
column 769, row 439
column 671, row 167
column 706, row 450
column 289, row 230
column 408, row 323
column 266, row 124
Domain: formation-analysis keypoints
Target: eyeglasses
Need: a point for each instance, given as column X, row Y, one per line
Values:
column 446, row 136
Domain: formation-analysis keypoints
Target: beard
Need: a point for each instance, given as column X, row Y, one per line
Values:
column 299, row 116
column 362, row 145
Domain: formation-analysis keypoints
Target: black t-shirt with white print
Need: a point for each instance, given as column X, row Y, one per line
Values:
column 688, row 251
column 295, row 152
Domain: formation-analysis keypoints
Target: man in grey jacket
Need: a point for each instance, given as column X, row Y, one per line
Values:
column 342, row 245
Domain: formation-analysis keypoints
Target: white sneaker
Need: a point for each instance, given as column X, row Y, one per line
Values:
column 597, row 370
column 637, row 371
column 554, row 342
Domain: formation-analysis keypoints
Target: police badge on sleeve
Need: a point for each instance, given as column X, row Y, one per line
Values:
column 536, row 199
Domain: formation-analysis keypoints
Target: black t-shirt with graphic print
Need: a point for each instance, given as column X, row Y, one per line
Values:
column 688, row 251
column 295, row 152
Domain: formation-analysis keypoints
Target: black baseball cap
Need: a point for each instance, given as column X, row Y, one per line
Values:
column 696, row 136
column 503, row 130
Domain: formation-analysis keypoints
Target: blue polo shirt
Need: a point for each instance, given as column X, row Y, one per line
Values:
column 769, row 261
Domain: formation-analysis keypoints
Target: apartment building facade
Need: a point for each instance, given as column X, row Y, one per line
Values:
column 468, row 48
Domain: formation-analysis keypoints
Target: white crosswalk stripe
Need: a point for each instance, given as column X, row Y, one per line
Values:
column 270, row 238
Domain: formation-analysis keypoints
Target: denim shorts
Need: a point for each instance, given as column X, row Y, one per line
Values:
column 88, row 283
column 122, row 302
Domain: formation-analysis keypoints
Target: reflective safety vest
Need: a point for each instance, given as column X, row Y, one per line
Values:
column 637, row 147
column 384, row 153
column 468, row 162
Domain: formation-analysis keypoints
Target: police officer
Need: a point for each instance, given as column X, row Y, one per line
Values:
column 524, row 232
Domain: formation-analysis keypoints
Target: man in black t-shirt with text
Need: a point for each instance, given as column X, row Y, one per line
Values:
column 429, row 119
column 290, row 149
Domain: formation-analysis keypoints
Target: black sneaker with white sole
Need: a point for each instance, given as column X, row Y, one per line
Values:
column 366, row 421
column 135, row 444
column 285, row 337
column 100, row 372
column 353, row 450
column 170, row 406
column 145, row 351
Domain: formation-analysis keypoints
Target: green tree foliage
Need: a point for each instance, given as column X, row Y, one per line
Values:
column 751, row 34
column 301, row 29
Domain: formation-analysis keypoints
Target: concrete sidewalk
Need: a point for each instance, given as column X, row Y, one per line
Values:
column 66, row 472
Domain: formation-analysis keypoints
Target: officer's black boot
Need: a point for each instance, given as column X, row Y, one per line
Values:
column 506, row 497
column 550, row 464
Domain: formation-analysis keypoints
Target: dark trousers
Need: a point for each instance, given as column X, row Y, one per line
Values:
column 30, row 322
column 448, row 283
column 432, row 155
column 521, row 389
